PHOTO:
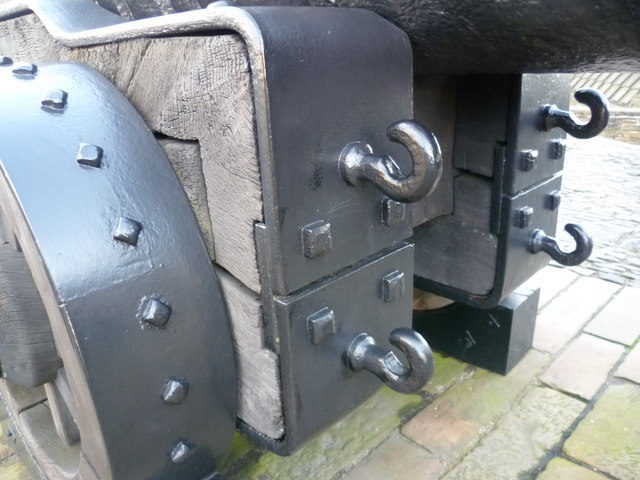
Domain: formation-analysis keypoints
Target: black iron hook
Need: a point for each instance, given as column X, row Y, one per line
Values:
column 584, row 245
column 365, row 354
column 358, row 163
column 552, row 116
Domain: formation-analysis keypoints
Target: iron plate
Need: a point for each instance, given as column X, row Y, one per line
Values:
column 97, row 274
column 314, row 375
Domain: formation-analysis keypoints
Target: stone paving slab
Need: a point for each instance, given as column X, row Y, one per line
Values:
column 397, row 458
column 561, row 469
column 620, row 319
column 551, row 281
column 563, row 318
column 584, row 366
column 448, row 370
column 340, row 446
column 608, row 438
column 630, row 368
column 521, row 439
column 601, row 191
column 13, row 469
column 455, row 421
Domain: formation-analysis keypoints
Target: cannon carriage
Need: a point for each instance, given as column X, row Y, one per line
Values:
column 215, row 218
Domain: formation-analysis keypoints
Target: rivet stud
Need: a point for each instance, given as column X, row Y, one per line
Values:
column 181, row 452
column 55, row 101
column 127, row 231
column 175, row 391
column 89, row 155
column 155, row 313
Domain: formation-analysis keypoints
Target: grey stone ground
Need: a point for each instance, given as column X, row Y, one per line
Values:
column 569, row 411
column 601, row 191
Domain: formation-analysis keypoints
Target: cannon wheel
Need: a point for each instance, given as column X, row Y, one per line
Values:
column 115, row 346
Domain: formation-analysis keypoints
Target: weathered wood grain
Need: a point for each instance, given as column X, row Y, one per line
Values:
column 188, row 88
column 258, row 380
column 459, row 250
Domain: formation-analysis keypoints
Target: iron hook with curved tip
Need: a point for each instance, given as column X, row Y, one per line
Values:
column 540, row 242
column 365, row 354
column 358, row 163
column 552, row 116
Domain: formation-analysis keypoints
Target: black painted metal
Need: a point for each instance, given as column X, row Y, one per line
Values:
column 118, row 258
column 552, row 116
column 317, row 325
column 485, row 36
column 525, row 162
column 495, row 338
column 540, row 242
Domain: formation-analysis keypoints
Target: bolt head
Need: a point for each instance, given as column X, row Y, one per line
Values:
column 55, row 101
column 392, row 212
column 321, row 324
column 558, row 149
column 553, row 200
column 182, row 451
column 528, row 159
column 155, row 313
column 523, row 217
column 89, row 155
column 175, row 391
column 316, row 239
column 127, row 231
column 393, row 286
column 24, row 69
column 4, row 61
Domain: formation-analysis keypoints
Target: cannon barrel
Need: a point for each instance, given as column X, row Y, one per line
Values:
column 510, row 36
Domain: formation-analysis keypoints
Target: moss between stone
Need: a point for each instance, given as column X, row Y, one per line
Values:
column 341, row 445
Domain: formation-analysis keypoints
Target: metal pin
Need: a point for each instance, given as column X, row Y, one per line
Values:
column 181, row 452
column 55, row 100
column 89, row 155
column 175, row 391
column 24, row 69
column 4, row 61
column 155, row 313
column 523, row 217
column 127, row 231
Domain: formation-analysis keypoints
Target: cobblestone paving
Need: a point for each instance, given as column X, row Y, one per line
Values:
column 601, row 192
column 569, row 410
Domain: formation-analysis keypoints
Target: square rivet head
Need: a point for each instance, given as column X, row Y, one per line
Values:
column 89, row 155
column 4, row 60
column 392, row 212
column 155, row 313
column 321, row 324
column 175, row 391
column 528, row 160
column 24, row 69
column 523, row 217
column 181, row 452
column 316, row 239
column 558, row 148
column 127, row 231
column 393, row 286
column 55, row 100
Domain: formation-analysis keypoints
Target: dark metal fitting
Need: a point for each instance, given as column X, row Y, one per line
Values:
column 127, row 231
column 181, row 452
column 4, row 61
column 365, row 354
column 558, row 149
column 320, row 325
column 175, row 391
column 316, row 239
column 358, row 163
column 24, row 69
column 392, row 212
column 55, row 101
column 553, row 200
column 528, row 159
column 393, row 286
column 89, row 155
column 541, row 242
column 155, row 313
column 553, row 117
column 523, row 217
